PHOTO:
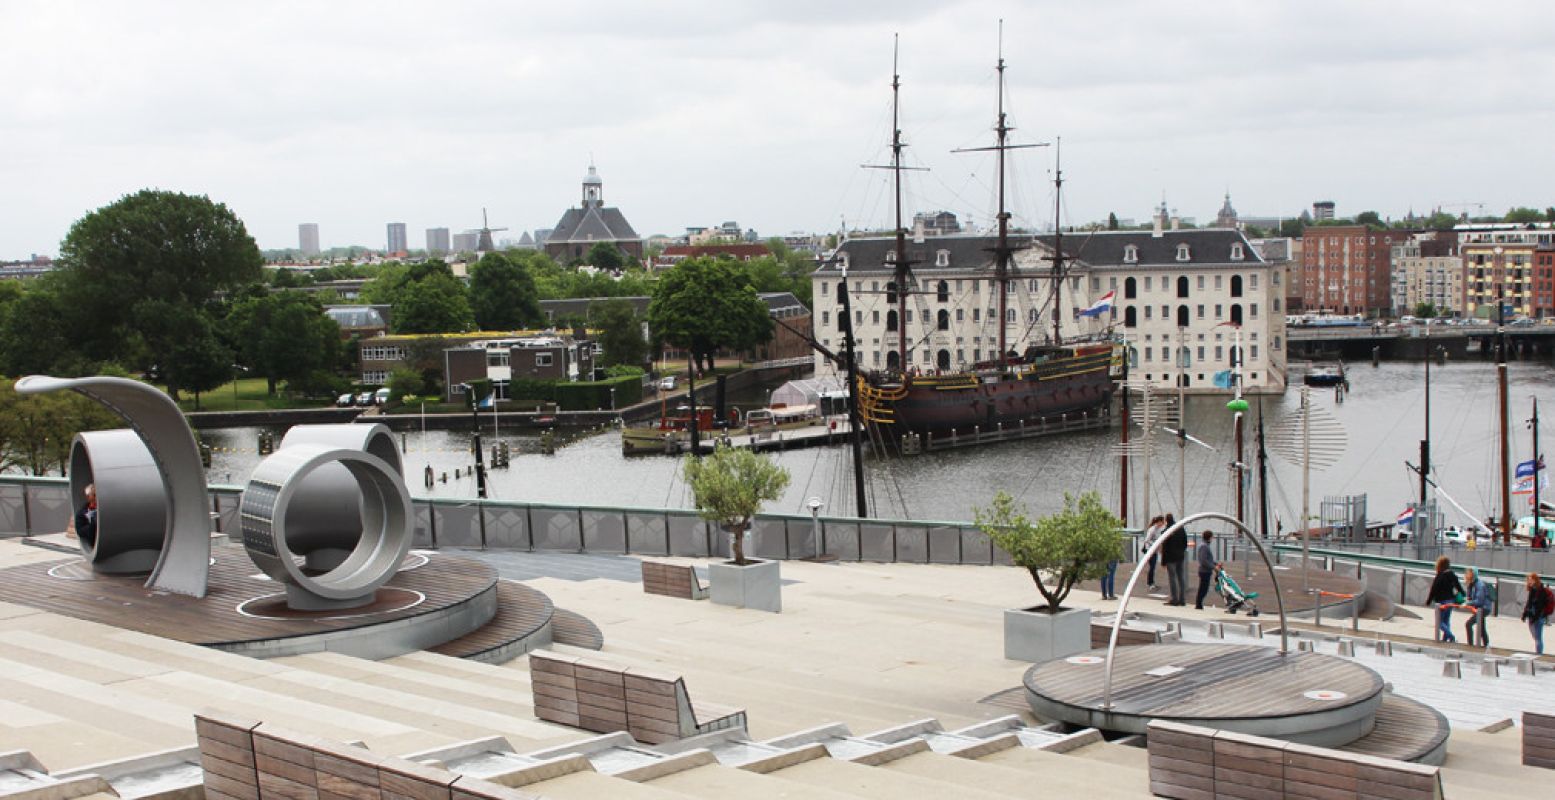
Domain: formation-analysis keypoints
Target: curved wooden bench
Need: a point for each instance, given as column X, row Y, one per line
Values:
column 672, row 580
column 1127, row 636
column 653, row 707
column 1538, row 740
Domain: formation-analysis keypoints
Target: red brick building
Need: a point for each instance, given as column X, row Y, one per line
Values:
column 1544, row 282
column 1347, row 269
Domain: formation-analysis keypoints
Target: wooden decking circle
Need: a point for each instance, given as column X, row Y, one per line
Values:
column 125, row 602
column 1312, row 697
column 522, row 623
column 1407, row 730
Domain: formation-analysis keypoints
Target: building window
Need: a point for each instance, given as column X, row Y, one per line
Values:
column 944, row 317
column 1147, row 353
column 890, row 292
column 1217, row 282
column 1252, row 282
column 1130, row 288
column 1201, row 283
column 497, row 358
column 375, row 377
column 1220, row 353
column 943, row 293
column 1009, row 315
column 890, row 320
column 1182, row 286
column 1236, row 313
column 1201, row 311
column 826, row 317
column 1183, row 253
column 942, row 258
column 977, row 315
column 1276, row 345
column 1236, row 285
column 1130, row 318
column 1148, row 309
column 1217, row 311
column 382, row 353
column 1130, row 254
column 1095, row 284
column 543, row 359
column 1252, row 310
column 1032, row 315
column 907, row 317
column 874, row 316
column 1236, row 252
column 960, row 315
column 890, row 256
column 1252, row 350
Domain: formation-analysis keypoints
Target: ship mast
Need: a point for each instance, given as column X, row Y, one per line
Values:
column 901, row 232
column 1058, row 240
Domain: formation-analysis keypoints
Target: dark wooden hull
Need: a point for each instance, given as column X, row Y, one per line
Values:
column 963, row 402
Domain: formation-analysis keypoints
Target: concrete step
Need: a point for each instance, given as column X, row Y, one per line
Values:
column 592, row 785
column 1096, row 778
column 1062, row 779
column 874, row 782
column 485, row 695
column 717, row 782
column 514, row 674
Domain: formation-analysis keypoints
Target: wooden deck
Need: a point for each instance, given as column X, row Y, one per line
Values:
column 1407, row 730
column 522, row 614
column 1256, row 579
column 125, row 602
column 1217, row 682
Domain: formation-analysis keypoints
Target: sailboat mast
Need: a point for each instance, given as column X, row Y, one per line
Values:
column 1538, row 464
column 1058, row 239
column 1002, row 250
column 901, row 232
column 1506, row 444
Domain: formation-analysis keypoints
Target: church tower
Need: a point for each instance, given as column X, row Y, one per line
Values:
column 593, row 189
column 1226, row 217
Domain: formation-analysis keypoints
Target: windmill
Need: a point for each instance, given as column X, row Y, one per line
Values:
column 484, row 243
column 1309, row 438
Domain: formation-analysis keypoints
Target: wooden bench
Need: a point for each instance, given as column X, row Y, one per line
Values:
column 654, row 708
column 1127, row 636
column 1538, row 740
column 1188, row 762
column 672, row 580
column 247, row 760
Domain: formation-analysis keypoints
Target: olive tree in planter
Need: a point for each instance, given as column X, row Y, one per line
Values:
column 729, row 487
column 1058, row 551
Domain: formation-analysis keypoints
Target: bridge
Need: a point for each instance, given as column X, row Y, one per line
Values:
column 1414, row 341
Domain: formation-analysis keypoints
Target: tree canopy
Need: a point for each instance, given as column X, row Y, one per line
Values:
column 425, row 296
column 620, row 332
column 702, row 304
column 606, row 256
column 503, row 294
column 1060, row 550
column 132, row 271
column 1521, row 214
column 282, row 336
column 36, row 430
column 730, row 486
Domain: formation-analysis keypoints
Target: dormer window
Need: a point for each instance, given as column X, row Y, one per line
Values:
column 890, row 257
column 942, row 258
column 1236, row 252
column 1130, row 254
column 842, row 260
column 1182, row 252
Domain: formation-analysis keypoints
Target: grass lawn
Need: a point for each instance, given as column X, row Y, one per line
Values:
column 247, row 394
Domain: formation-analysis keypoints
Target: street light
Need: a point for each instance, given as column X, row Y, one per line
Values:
column 239, row 371
column 814, row 504
column 612, row 398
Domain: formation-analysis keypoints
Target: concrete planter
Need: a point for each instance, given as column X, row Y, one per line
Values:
column 756, row 585
column 1038, row 636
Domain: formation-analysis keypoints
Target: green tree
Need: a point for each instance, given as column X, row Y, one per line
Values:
column 404, row 382
column 1368, row 218
column 283, row 336
column 1112, row 221
column 1524, row 215
column 434, row 305
column 198, row 358
column 33, row 339
column 36, row 430
column 620, row 332
column 1060, row 550
column 730, row 486
column 1292, row 228
column 1441, row 221
column 131, row 269
column 703, row 304
column 1425, row 310
column 606, row 256
column 503, row 294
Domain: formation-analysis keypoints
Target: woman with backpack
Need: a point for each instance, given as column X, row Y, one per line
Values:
column 1445, row 591
column 1537, row 609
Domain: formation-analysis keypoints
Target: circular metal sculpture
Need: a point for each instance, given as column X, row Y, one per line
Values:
column 325, row 514
column 131, row 505
column 381, row 542
column 174, row 480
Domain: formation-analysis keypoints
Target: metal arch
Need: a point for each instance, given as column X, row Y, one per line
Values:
column 1144, row 558
column 184, row 564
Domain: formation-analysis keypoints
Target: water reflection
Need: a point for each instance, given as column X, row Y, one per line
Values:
column 1382, row 416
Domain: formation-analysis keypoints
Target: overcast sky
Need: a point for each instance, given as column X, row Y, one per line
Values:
column 352, row 115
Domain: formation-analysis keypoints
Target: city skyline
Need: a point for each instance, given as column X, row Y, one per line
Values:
column 697, row 113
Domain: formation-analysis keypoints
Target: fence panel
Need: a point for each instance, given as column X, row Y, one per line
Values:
column 875, row 542
column 912, row 544
column 604, row 531
column 556, row 529
column 770, row 539
column 49, row 507
column 13, row 511
column 688, row 535
column 458, row 526
column 803, row 542
column 647, row 533
column 507, row 527
column 976, row 547
column 841, row 539
column 422, row 514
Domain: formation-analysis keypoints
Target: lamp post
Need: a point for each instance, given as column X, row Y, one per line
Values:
column 238, row 370
column 612, row 398
column 814, row 504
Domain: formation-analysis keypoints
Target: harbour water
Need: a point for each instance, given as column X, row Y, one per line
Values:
column 1382, row 417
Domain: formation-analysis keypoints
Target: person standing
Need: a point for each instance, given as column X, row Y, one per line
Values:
column 1152, row 532
column 1479, row 598
column 1536, row 609
column 1445, row 590
column 1205, row 556
column 1173, row 552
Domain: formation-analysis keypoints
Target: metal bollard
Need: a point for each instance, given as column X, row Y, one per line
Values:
column 1452, row 669
column 1384, row 647
column 1304, row 646
column 1346, row 648
column 1525, row 666
column 1215, row 630
column 1490, row 668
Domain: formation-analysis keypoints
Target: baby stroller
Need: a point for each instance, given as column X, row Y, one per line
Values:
column 1232, row 595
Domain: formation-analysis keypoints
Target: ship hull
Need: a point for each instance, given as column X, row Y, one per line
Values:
column 965, row 402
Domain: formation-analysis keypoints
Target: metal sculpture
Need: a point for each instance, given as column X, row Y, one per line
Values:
column 129, row 509
column 284, row 491
column 324, row 518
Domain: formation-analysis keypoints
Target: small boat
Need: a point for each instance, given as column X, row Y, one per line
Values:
column 672, row 433
column 1326, row 375
column 811, row 407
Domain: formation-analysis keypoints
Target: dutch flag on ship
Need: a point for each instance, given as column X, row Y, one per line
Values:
column 1099, row 307
column 1406, row 518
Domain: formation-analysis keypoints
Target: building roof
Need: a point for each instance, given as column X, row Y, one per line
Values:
column 357, row 316
column 736, row 250
column 776, row 301
column 966, row 252
column 592, row 224
column 1205, row 246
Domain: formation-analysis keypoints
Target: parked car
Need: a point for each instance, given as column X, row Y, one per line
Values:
column 364, row 399
column 1522, row 322
column 381, row 396
column 345, row 400
column 667, row 383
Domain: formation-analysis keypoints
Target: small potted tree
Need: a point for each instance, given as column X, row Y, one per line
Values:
column 729, row 487
column 1058, row 551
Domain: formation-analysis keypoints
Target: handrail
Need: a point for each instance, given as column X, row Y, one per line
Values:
column 1426, row 566
column 1144, row 559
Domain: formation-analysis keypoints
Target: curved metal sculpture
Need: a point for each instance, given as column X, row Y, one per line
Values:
column 130, row 501
column 381, row 540
column 183, row 565
column 324, row 516
column 1144, row 559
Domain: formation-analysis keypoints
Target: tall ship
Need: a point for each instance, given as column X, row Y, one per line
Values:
column 986, row 343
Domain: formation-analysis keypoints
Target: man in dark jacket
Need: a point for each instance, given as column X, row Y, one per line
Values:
column 1173, row 552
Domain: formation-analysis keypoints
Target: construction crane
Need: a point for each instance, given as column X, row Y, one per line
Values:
column 484, row 243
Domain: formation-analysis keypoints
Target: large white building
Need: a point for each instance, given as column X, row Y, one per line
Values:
column 1174, row 290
